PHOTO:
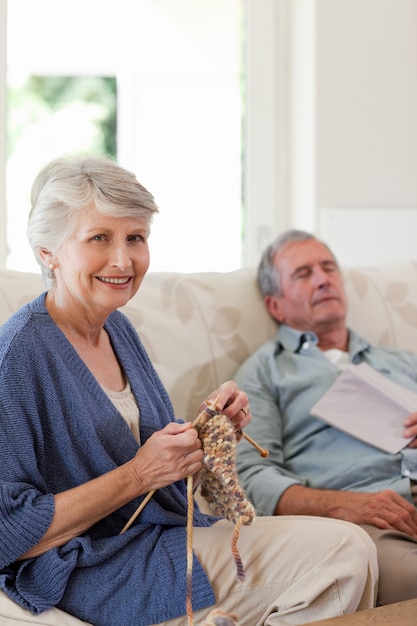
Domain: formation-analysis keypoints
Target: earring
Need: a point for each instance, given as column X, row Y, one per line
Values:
column 51, row 273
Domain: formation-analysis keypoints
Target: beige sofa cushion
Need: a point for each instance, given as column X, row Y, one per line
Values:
column 383, row 304
column 198, row 328
column 13, row 615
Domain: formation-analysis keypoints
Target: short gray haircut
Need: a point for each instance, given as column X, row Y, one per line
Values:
column 269, row 280
column 69, row 184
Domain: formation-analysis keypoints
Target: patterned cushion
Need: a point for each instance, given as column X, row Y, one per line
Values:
column 383, row 304
column 199, row 327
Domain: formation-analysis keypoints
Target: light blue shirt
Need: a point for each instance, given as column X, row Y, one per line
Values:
column 283, row 380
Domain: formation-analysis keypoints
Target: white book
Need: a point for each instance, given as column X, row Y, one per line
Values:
column 365, row 404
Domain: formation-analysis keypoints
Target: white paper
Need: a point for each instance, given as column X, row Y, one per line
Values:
column 368, row 406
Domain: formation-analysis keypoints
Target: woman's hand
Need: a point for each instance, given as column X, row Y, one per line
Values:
column 168, row 455
column 232, row 402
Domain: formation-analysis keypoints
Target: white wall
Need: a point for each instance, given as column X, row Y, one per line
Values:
column 267, row 140
column 334, row 126
column 366, row 128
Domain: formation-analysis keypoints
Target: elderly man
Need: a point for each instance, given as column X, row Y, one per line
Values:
column 314, row 468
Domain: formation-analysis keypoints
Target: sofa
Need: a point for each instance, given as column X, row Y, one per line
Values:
column 199, row 327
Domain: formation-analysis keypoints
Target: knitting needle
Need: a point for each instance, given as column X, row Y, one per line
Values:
column 138, row 510
column 150, row 494
column 212, row 410
column 262, row 451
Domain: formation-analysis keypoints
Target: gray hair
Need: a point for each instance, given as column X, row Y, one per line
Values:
column 269, row 280
column 69, row 184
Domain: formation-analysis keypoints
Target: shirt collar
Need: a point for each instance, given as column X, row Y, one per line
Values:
column 297, row 341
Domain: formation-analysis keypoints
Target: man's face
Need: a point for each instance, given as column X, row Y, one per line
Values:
column 313, row 295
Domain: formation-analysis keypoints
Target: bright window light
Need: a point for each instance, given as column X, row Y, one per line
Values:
column 159, row 85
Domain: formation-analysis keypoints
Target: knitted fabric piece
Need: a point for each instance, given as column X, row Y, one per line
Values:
column 219, row 480
column 220, row 488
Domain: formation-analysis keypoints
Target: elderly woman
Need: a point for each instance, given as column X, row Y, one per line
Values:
column 87, row 430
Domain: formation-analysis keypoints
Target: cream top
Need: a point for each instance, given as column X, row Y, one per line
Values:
column 125, row 403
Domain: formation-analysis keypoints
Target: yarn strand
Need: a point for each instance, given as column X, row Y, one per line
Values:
column 190, row 519
column 220, row 488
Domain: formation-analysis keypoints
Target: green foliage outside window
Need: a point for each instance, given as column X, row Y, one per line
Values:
column 64, row 114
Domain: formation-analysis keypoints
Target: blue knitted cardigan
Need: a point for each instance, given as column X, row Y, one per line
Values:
column 58, row 430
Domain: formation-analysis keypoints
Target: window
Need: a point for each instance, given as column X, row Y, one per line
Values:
column 43, row 113
column 176, row 67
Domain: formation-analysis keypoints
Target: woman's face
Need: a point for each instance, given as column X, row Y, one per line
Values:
column 103, row 264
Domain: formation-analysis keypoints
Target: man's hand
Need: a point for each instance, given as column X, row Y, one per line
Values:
column 383, row 509
column 410, row 424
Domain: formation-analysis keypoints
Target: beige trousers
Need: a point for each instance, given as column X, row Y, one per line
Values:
column 298, row 569
column 397, row 561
